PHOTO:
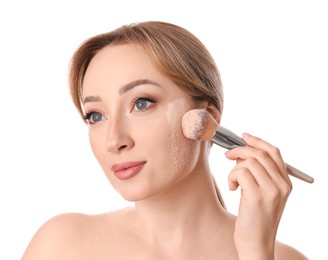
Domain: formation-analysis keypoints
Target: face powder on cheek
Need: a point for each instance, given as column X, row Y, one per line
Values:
column 182, row 150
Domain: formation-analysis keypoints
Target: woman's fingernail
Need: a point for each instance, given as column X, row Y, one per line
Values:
column 246, row 135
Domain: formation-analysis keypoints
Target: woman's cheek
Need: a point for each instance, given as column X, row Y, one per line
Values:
column 182, row 157
column 98, row 146
column 182, row 152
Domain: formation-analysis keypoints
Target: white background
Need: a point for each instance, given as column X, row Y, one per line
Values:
column 273, row 60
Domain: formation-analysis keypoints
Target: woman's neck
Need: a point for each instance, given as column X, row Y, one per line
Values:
column 180, row 214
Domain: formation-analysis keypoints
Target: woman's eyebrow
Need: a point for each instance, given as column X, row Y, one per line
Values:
column 127, row 87
column 91, row 99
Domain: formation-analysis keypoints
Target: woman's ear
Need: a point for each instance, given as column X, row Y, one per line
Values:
column 214, row 112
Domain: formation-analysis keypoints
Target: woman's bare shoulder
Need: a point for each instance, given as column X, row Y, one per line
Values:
column 55, row 235
column 287, row 252
column 66, row 234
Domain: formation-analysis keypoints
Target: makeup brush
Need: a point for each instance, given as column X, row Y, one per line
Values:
column 198, row 124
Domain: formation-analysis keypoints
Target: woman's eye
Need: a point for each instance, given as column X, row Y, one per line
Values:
column 142, row 104
column 93, row 117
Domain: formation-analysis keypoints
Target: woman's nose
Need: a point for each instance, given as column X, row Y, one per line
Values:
column 118, row 138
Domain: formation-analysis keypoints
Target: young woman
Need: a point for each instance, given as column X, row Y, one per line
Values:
column 132, row 86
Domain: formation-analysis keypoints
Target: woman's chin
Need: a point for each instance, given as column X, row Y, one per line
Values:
column 134, row 195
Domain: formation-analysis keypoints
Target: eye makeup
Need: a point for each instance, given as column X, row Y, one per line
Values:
column 93, row 117
column 142, row 103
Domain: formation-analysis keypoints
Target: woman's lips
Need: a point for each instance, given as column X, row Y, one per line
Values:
column 127, row 170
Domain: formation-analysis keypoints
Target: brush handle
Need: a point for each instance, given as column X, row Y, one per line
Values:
column 298, row 174
column 229, row 140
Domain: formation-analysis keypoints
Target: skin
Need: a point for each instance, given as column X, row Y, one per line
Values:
column 169, row 219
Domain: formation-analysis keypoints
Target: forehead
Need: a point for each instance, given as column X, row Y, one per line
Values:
column 117, row 64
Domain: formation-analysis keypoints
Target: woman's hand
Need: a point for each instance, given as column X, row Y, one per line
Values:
column 261, row 174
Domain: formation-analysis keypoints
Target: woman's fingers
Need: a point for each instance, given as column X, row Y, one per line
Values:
column 272, row 151
column 259, row 151
column 265, row 186
column 248, row 174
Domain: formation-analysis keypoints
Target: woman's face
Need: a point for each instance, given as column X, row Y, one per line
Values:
column 134, row 114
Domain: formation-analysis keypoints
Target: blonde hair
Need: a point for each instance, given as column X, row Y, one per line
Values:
column 176, row 52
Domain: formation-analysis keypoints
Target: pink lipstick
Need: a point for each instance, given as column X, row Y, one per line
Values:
column 127, row 170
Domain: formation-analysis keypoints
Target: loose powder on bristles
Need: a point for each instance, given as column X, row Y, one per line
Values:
column 199, row 124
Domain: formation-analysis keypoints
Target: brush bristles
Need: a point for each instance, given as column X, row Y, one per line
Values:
column 198, row 124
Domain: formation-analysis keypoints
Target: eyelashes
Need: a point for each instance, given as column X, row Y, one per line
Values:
column 142, row 103
column 93, row 117
column 139, row 104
